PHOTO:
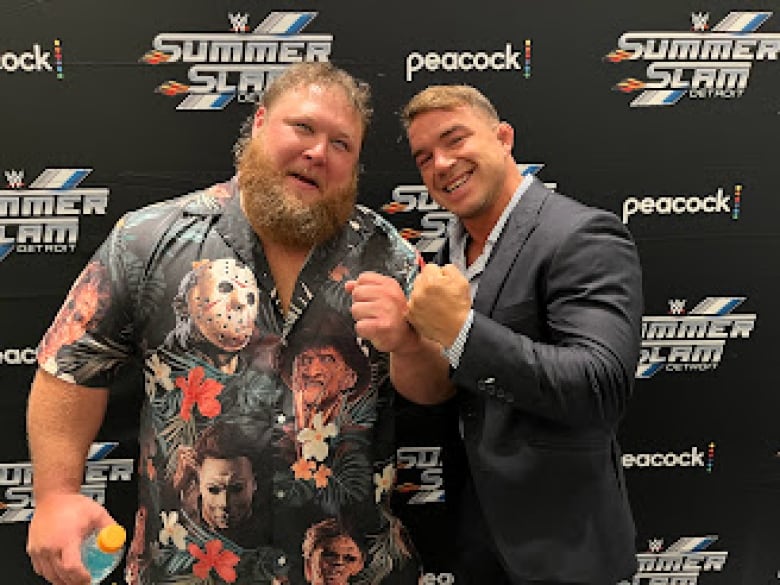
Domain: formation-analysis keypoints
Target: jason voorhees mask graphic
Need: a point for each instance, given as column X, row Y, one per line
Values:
column 222, row 302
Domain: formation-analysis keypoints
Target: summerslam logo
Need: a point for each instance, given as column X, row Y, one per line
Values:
column 18, row 504
column 432, row 232
column 680, row 564
column 691, row 342
column 237, row 64
column 429, row 485
column 703, row 63
column 44, row 217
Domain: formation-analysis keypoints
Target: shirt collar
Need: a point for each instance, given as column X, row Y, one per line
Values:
column 458, row 236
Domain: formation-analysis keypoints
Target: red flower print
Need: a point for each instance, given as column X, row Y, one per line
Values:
column 303, row 468
column 321, row 476
column 198, row 389
column 214, row 557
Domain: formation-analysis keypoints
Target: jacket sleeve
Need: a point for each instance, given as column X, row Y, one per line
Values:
column 579, row 366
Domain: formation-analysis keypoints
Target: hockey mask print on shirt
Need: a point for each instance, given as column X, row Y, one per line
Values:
column 222, row 302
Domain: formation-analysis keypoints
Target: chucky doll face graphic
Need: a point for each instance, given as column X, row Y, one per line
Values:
column 222, row 303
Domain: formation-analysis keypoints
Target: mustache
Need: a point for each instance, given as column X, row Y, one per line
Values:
column 278, row 214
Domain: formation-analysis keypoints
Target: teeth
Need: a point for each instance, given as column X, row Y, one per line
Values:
column 451, row 187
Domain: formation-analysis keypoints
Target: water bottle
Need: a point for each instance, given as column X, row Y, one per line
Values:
column 102, row 550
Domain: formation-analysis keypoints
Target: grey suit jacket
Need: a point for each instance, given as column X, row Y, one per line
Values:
column 543, row 381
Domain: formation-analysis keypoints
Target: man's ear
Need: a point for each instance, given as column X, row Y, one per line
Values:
column 259, row 119
column 506, row 136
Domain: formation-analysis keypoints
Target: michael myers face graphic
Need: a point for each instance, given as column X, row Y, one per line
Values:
column 222, row 303
column 227, row 487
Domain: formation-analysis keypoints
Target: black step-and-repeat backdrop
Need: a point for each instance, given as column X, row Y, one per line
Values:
column 666, row 113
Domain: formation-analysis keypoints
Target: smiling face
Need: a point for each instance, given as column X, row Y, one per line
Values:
column 465, row 160
column 320, row 375
column 298, row 174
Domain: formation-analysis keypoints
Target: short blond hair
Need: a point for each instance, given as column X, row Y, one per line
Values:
column 447, row 97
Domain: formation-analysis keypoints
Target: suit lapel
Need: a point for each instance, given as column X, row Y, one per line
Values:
column 519, row 226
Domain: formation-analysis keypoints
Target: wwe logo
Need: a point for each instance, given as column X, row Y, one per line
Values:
column 15, row 179
column 699, row 21
column 677, row 306
column 655, row 545
column 239, row 22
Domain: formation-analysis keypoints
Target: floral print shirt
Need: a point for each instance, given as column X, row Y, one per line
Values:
column 264, row 437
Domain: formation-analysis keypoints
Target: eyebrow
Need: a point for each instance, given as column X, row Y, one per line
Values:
column 444, row 134
column 309, row 119
column 346, row 136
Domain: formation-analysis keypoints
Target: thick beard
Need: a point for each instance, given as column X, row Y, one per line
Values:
column 279, row 215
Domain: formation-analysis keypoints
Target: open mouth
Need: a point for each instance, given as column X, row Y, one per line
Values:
column 307, row 180
column 314, row 383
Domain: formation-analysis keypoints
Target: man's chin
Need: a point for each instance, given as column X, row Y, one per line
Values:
column 293, row 212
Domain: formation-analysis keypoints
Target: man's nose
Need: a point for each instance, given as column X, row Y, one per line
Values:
column 314, row 367
column 442, row 160
column 317, row 149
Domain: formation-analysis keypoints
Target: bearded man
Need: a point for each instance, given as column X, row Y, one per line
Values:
column 273, row 250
